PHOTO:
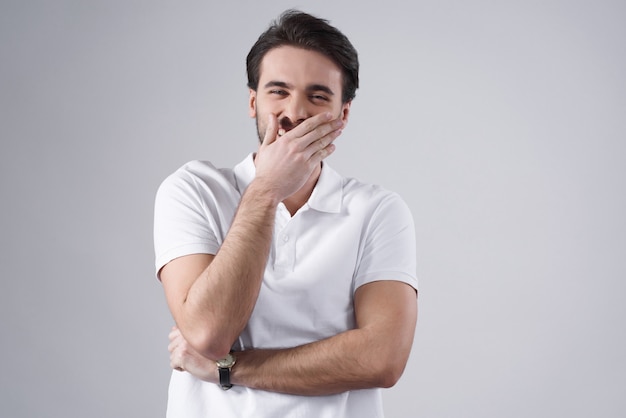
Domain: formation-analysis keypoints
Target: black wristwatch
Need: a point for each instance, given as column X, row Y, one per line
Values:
column 223, row 366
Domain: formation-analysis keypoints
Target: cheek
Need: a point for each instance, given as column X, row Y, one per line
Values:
column 261, row 126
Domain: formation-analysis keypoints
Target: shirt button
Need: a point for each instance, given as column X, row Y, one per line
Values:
column 285, row 238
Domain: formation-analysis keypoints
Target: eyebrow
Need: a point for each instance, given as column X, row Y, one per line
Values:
column 309, row 88
column 278, row 84
column 320, row 87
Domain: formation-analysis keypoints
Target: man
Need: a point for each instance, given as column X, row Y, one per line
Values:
column 293, row 288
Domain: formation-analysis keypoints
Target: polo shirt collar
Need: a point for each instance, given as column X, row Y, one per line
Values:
column 327, row 194
column 245, row 172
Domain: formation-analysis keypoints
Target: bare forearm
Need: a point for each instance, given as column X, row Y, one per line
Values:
column 220, row 302
column 372, row 355
column 330, row 366
column 338, row 364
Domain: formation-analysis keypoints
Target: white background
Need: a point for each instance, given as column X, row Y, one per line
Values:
column 502, row 124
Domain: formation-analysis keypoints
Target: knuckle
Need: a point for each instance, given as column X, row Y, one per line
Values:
column 299, row 158
column 310, row 124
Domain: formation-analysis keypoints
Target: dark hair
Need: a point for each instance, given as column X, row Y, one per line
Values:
column 295, row 28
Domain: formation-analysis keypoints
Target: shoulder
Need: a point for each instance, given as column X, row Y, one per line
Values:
column 199, row 172
column 387, row 245
column 373, row 197
column 197, row 178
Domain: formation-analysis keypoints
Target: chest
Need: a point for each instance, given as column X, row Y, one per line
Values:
column 307, row 290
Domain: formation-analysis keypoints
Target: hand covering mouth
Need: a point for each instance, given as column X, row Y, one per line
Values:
column 285, row 125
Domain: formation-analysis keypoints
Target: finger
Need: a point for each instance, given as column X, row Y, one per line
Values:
column 310, row 124
column 322, row 143
column 272, row 129
column 324, row 140
column 320, row 131
column 176, row 363
column 176, row 340
column 176, row 358
column 322, row 154
column 174, row 334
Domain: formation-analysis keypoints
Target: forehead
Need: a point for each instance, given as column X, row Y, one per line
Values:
column 299, row 66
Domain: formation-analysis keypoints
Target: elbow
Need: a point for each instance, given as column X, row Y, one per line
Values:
column 207, row 337
column 390, row 379
column 388, row 373
column 209, row 345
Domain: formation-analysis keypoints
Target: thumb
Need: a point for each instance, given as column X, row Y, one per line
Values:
column 271, row 133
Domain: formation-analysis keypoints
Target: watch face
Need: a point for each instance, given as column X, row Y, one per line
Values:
column 226, row 362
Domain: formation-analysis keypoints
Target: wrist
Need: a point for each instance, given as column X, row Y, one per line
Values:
column 263, row 194
column 224, row 367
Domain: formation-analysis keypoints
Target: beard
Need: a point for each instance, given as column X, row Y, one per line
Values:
column 260, row 130
column 284, row 123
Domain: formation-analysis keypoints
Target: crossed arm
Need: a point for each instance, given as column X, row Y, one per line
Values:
column 373, row 354
column 212, row 297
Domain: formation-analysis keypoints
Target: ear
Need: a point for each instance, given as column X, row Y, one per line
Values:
column 345, row 112
column 252, row 104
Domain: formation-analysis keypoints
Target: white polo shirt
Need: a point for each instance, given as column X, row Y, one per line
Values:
column 348, row 234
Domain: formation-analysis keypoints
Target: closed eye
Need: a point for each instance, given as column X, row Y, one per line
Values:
column 319, row 97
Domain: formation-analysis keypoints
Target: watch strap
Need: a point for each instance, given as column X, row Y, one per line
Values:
column 225, row 378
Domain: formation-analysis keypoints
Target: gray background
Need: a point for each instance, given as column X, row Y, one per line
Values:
column 501, row 123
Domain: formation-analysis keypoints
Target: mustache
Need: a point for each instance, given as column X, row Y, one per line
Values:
column 286, row 124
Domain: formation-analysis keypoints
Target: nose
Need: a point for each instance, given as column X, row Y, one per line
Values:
column 294, row 113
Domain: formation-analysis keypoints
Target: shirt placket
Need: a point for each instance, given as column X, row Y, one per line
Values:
column 284, row 240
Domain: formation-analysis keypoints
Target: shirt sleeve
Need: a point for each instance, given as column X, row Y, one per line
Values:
column 182, row 223
column 388, row 249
